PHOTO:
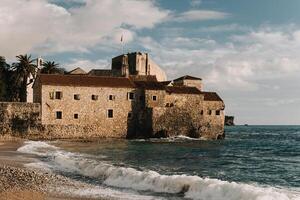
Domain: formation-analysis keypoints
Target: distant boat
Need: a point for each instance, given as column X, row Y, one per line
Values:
column 246, row 124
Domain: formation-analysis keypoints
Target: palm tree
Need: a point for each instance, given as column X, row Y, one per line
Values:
column 23, row 69
column 52, row 68
column 4, row 70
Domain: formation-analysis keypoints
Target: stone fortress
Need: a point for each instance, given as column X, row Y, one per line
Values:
column 133, row 99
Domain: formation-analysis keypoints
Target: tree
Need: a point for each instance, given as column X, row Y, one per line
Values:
column 23, row 70
column 4, row 68
column 52, row 68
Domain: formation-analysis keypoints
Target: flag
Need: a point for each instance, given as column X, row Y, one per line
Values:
column 121, row 38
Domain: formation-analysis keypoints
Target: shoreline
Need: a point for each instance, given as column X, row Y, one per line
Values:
column 18, row 182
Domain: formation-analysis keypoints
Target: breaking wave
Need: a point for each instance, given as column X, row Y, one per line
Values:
column 193, row 187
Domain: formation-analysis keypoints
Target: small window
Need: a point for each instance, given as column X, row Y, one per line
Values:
column 58, row 95
column 209, row 112
column 94, row 97
column 58, row 115
column 76, row 96
column 110, row 113
column 76, row 116
column 154, row 98
column 167, row 104
column 201, row 112
column 130, row 95
column 129, row 115
column 111, row 97
column 218, row 112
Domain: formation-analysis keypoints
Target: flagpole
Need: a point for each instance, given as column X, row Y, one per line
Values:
column 122, row 44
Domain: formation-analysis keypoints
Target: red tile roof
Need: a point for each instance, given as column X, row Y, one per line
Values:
column 182, row 90
column 211, row 96
column 187, row 77
column 85, row 81
column 150, row 85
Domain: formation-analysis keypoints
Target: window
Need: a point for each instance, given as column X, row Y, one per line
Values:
column 111, row 97
column 130, row 95
column 154, row 98
column 58, row 115
column 209, row 112
column 58, row 95
column 94, row 97
column 218, row 112
column 110, row 113
column 201, row 112
column 129, row 115
column 76, row 96
column 76, row 116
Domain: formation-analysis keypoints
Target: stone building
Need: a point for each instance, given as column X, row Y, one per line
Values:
column 132, row 100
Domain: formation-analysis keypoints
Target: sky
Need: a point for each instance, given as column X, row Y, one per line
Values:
column 247, row 51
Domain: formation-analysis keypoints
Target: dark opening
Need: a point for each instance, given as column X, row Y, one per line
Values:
column 111, row 97
column 154, row 98
column 131, row 95
column 58, row 95
column 110, row 113
column 94, row 97
column 76, row 97
column 209, row 112
column 218, row 112
column 58, row 115
column 76, row 116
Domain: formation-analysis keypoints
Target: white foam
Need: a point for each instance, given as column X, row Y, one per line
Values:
column 193, row 187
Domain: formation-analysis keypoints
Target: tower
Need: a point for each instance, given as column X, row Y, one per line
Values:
column 31, row 79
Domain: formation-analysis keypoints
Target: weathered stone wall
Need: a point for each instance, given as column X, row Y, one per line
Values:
column 18, row 118
column 91, row 113
column 188, row 114
column 181, row 115
column 213, row 124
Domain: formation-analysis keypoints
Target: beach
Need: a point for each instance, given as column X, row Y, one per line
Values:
column 20, row 183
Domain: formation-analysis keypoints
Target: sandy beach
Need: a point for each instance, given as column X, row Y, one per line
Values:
column 20, row 183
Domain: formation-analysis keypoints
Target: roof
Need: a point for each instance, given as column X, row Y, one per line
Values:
column 77, row 71
column 211, row 96
column 150, row 85
column 100, row 72
column 151, row 78
column 187, row 77
column 182, row 90
column 166, row 83
column 85, row 81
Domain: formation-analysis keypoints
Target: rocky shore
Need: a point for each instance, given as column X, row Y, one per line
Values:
column 20, row 183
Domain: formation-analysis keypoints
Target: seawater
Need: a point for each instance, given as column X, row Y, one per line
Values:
column 252, row 163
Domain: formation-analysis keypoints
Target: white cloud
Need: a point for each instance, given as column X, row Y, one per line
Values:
column 87, row 65
column 245, row 62
column 43, row 27
column 195, row 3
column 199, row 15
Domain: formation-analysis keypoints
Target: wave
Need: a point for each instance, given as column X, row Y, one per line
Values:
column 193, row 187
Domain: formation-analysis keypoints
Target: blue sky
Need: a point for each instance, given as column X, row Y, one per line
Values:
column 247, row 51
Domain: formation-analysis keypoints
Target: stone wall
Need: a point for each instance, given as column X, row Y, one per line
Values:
column 90, row 113
column 19, row 118
column 188, row 114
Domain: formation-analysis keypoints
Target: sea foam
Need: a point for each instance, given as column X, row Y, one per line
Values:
column 193, row 187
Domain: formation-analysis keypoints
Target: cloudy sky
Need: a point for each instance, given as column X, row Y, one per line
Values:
column 247, row 51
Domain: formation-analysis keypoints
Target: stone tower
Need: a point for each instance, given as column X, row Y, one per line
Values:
column 31, row 78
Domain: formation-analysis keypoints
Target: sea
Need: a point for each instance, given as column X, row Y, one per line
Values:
column 251, row 163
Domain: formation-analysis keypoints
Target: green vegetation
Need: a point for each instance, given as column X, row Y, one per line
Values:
column 14, row 78
column 52, row 68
